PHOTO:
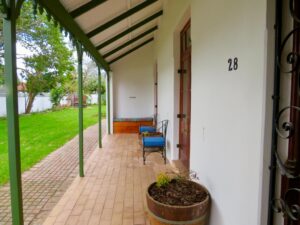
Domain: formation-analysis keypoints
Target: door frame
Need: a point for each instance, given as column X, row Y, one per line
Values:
column 183, row 56
column 155, row 94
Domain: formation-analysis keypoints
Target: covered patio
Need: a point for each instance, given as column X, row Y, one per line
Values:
column 113, row 190
column 224, row 74
column 118, row 29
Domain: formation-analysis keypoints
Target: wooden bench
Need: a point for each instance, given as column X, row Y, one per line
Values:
column 130, row 125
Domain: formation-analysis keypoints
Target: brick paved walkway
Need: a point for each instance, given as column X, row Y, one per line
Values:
column 113, row 189
column 46, row 182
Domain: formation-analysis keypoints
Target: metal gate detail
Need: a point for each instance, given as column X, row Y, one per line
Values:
column 287, row 63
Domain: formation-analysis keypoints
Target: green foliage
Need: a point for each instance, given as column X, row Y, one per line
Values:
column 23, row 25
column 90, row 84
column 56, row 95
column 162, row 180
column 90, row 78
column 68, row 85
column 39, row 83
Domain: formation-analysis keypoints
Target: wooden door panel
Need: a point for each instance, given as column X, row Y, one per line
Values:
column 185, row 96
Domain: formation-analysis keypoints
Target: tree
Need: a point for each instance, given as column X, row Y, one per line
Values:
column 23, row 25
column 50, row 60
column 90, row 78
column 90, row 84
column 67, row 86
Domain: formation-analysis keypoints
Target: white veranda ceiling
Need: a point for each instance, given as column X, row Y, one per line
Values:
column 108, row 10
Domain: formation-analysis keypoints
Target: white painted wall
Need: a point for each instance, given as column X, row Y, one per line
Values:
column 133, row 84
column 229, row 109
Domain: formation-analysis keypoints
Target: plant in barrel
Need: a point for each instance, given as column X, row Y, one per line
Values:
column 177, row 199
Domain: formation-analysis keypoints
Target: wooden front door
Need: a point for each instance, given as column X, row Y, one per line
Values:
column 185, row 95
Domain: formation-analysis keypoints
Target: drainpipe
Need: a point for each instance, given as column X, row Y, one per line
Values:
column 80, row 107
column 276, row 98
column 99, row 108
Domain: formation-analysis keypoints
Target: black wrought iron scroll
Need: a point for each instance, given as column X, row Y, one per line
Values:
column 285, row 128
column 281, row 205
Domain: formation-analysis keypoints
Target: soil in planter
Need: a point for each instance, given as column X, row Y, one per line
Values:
column 178, row 192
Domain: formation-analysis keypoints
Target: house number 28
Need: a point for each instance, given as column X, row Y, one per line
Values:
column 233, row 64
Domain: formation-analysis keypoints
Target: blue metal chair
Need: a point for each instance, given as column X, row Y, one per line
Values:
column 148, row 129
column 156, row 144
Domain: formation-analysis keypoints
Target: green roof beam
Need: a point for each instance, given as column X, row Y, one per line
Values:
column 86, row 7
column 120, row 18
column 130, row 29
column 131, row 50
column 60, row 14
column 130, row 41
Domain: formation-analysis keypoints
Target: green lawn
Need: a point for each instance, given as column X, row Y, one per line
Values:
column 42, row 133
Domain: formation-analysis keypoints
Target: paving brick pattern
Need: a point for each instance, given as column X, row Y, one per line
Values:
column 45, row 183
column 113, row 190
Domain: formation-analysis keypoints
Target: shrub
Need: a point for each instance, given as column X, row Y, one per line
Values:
column 162, row 180
column 56, row 95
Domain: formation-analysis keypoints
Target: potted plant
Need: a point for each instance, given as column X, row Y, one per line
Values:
column 177, row 200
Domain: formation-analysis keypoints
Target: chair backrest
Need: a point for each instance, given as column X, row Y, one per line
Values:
column 163, row 126
column 155, row 119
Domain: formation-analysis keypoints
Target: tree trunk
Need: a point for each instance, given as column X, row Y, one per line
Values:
column 29, row 105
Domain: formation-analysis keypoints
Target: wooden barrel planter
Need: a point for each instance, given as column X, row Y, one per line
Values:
column 163, row 214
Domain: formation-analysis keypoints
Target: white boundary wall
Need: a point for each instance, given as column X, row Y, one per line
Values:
column 41, row 103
